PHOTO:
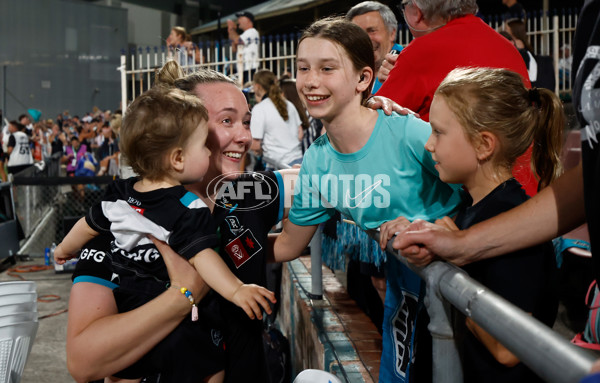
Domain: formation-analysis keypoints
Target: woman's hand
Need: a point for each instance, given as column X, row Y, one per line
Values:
column 181, row 272
column 388, row 106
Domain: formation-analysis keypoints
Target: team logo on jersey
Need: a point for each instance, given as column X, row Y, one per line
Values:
column 403, row 329
column 216, row 336
column 242, row 248
column 234, row 224
column 138, row 209
column 245, row 194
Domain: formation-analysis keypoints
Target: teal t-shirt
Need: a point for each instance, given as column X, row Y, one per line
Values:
column 392, row 175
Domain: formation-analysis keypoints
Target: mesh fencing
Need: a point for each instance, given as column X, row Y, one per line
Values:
column 48, row 205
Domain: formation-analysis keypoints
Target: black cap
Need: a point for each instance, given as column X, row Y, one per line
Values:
column 246, row 14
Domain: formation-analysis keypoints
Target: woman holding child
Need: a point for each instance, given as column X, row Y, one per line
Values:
column 121, row 339
column 101, row 341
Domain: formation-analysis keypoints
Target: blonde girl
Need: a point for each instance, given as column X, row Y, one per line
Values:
column 482, row 119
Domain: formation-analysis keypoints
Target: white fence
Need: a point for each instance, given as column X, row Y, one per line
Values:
column 547, row 34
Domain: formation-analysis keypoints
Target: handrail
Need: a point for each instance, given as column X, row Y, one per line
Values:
column 549, row 355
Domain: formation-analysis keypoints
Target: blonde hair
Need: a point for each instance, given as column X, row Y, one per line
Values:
column 267, row 80
column 496, row 101
column 159, row 120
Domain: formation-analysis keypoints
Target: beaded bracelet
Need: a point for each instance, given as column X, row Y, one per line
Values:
column 188, row 294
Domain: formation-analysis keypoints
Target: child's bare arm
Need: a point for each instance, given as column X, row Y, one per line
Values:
column 217, row 275
column 500, row 353
column 79, row 235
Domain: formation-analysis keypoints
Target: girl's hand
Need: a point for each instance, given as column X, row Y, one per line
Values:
column 181, row 272
column 60, row 257
column 388, row 229
column 446, row 222
column 251, row 297
column 422, row 242
column 388, row 106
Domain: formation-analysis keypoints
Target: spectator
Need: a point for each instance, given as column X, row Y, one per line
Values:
column 565, row 63
column 539, row 68
column 248, row 39
column 109, row 151
column 567, row 203
column 312, row 127
column 18, row 148
column 73, row 153
column 438, row 26
column 380, row 23
column 101, row 341
column 25, row 120
column 368, row 167
column 167, row 211
column 276, row 126
column 476, row 149
column 86, row 133
column 181, row 47
column 58, row 140
column 515, row 10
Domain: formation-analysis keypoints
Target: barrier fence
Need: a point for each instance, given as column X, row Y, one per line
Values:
column 548, row 354
column 48, row 205
column 550, row 35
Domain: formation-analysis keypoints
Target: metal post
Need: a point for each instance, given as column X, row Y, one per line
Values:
column 446, row 363
column 123, row 69
column 315, row 265
column 555, row 53
column 4, row 113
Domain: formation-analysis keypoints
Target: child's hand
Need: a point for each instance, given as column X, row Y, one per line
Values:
column 388, row 229
column 446, row 222
column 60, row 257
column 251, row 297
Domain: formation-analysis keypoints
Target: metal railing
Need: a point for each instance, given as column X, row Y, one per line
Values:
column 277, row 53
column 549, row 355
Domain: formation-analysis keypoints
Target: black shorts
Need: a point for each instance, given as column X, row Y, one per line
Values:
column 192, row 352
column 245, row 357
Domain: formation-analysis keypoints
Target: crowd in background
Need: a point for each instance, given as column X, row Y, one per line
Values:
column 86, row 146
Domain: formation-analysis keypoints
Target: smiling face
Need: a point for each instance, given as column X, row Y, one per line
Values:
column 381, row 37
column 455, row 156
column 326, row 79
column 228, row 126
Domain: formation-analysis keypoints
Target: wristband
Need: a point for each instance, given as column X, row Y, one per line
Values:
column 188, row 294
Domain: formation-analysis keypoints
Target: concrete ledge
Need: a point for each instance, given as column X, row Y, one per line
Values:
column 332, row 334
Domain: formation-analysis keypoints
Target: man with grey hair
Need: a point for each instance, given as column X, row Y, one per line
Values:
column 380, row 23
column 447, row 35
